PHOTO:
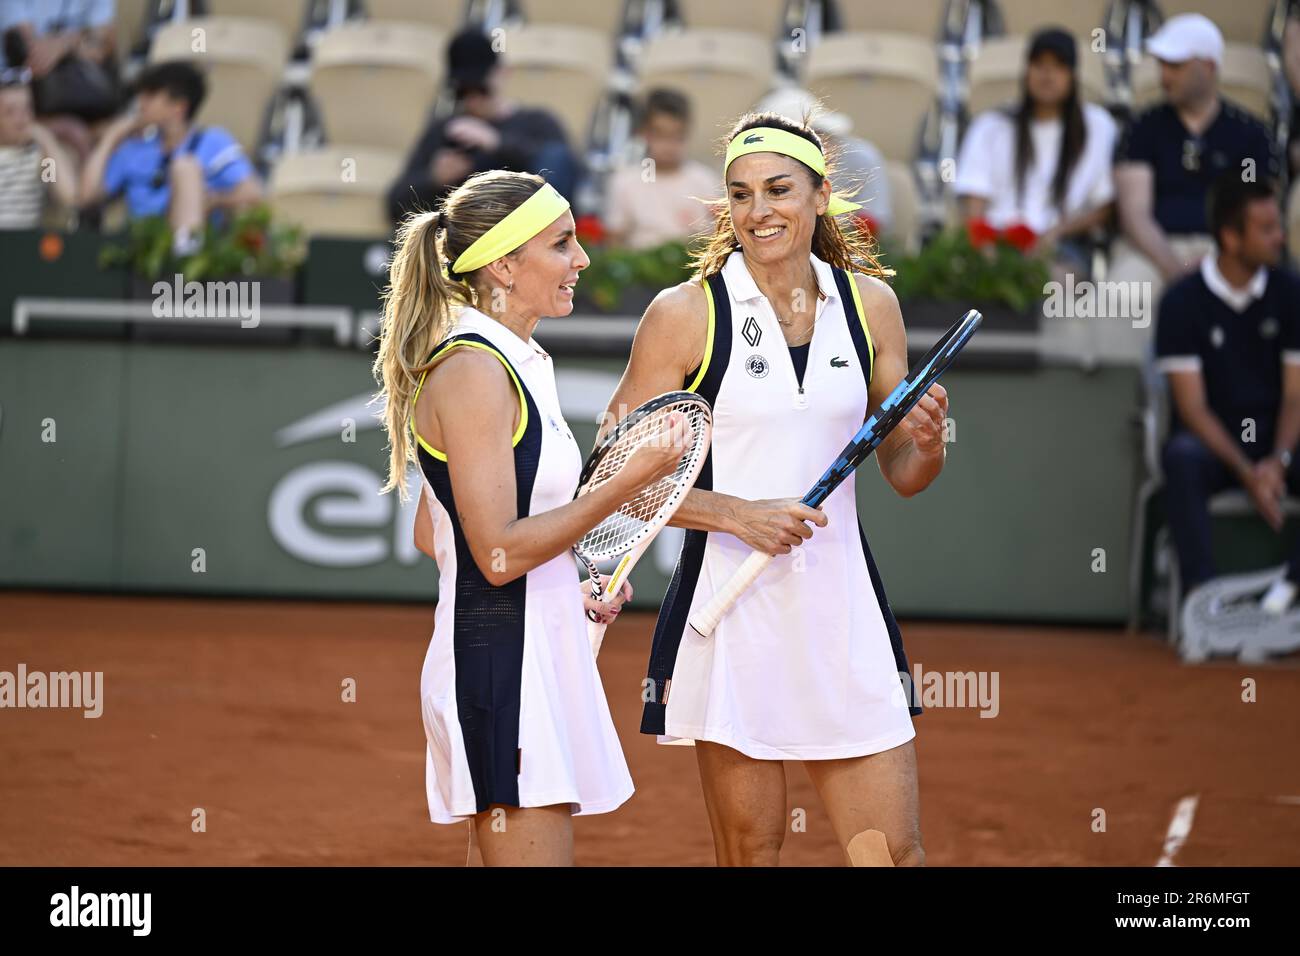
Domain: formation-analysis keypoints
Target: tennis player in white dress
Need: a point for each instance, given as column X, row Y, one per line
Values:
column 518, row 729
column 791, row 335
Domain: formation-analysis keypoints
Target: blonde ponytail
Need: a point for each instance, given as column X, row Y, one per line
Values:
column 421, row 300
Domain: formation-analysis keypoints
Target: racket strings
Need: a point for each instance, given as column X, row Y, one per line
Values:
column 616, row 533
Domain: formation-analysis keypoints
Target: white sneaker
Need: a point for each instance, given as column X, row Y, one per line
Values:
column 1278, row 597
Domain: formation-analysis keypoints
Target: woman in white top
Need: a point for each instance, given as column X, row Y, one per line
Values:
column 1044, row 162
column 518, row 730
column 790, row 333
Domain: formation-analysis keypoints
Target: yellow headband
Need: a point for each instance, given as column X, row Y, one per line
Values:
column 535, row 213
column 769, row 139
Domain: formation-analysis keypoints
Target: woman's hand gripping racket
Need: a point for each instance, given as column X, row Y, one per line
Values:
column 626, row 533
column 892, row 411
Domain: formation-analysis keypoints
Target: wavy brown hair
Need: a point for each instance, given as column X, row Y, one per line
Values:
column 843, row 245
column 421, row 300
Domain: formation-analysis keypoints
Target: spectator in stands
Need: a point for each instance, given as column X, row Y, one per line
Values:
column 859, row 166
column 164, row 164
column 32, row 163
column 486, row 131
column 1171, row 154
column 1228, row 338
column 664, row 197
column 68, row 46
column 1043, row 162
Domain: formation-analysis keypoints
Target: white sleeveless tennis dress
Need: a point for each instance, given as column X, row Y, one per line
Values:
column 514, row 710
column 806, row 665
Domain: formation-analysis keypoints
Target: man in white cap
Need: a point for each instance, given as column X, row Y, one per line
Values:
column 859, row 165
column 1172, row 152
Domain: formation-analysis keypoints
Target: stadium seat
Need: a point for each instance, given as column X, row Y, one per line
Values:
column 289, row 15
column 128, row 25
column 917, row 17
column 243, row 60
column 564, row 69
column 1242, row 21
column 1079, row 17
column 766, row 17
column 905, row 235
column 336, row 191
column 723, row 72
column 446, row 16
column 605, row 16
column 996, row 71
column 375, row 82
column 1245, row 79
column 887, row 83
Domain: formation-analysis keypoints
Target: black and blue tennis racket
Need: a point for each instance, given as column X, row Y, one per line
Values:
column 877, row 427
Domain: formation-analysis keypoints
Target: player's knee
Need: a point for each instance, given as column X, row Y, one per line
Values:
column 752, row 845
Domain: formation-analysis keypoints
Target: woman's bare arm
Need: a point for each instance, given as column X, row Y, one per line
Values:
column 913, row 454
column 476, row 435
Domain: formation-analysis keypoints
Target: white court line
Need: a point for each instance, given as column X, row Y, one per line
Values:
column 1179, row 827
column 1293, row 801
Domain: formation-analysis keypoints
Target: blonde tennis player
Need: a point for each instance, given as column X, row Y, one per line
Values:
column 519, row 732
column 790, row 333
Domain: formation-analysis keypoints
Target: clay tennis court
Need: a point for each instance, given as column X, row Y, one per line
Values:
column 235, row 707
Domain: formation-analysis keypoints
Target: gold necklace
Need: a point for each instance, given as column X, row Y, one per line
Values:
column 784, row 323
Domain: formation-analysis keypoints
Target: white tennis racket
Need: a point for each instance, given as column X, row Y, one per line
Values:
column 626, row 534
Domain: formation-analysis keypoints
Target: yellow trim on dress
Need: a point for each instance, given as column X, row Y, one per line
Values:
column 523, row 402
column 862, row 317
column 708, row 342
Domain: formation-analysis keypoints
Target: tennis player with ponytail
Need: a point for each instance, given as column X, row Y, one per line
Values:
column 789, row 332
column 519, row 733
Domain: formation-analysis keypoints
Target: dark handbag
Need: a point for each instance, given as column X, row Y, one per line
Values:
column 78, row 87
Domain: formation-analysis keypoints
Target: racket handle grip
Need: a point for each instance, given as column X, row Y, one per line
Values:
column 705, row 619
column 596, row 634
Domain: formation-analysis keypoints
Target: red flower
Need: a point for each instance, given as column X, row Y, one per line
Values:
column 980, row 233
column 1021, row 236
column 590, row 229
column 253, row 240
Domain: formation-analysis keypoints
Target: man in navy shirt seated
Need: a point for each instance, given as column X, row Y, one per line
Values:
column 1228, row 338
column 165, row 165
column 1169, row 156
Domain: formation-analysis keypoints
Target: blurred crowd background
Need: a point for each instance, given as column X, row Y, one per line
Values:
column 345, row 113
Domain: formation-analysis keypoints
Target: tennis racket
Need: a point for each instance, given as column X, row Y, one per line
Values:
column 892, row 411
column 626, row 534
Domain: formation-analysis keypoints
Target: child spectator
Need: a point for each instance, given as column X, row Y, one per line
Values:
column 661, row 199
column 25, row 146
